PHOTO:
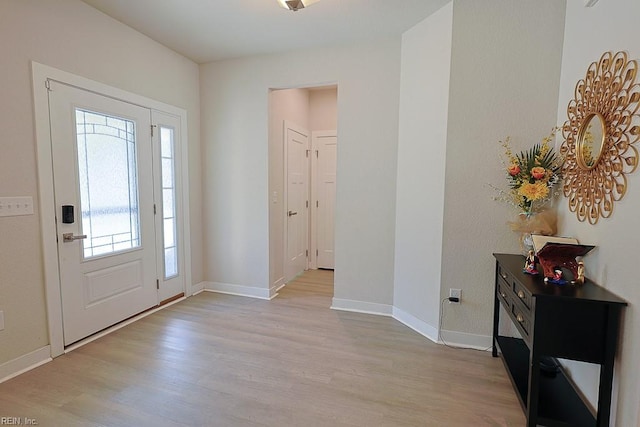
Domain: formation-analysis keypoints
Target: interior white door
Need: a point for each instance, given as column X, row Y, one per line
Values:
column 169, row 223
column 326, row 145
column 296, row 217
column 101, row 149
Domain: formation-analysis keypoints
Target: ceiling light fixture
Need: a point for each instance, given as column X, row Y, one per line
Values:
column 296, row 5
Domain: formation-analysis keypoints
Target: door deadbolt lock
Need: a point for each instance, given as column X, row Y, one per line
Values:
column 67, row 214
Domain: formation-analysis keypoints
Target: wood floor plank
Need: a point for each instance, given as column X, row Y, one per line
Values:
column 224, row 360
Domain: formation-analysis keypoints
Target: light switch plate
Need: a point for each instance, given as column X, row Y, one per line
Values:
column 16, row 206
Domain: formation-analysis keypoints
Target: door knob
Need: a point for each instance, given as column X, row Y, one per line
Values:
column 292, row 213
column 69, row 237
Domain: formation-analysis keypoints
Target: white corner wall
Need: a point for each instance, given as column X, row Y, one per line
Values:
column 505, row 69
column 73, row 37
column 235, row 154
column 424, row 106
column 610, row 25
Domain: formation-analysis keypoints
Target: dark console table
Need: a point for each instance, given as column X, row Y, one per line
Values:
column 576, row 322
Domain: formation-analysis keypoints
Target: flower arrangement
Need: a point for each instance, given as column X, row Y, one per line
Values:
column 531, row 175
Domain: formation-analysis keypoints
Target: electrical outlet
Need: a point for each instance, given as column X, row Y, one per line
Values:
column 455, row 293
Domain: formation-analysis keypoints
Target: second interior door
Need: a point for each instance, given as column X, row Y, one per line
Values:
column 325, row 143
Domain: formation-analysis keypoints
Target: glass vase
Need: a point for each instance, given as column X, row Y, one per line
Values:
column 526, row 240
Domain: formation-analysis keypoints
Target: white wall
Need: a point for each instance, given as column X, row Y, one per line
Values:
column 611, row 25
column 71, row 36
column 235, row 146
column 291, row 105
column 505, row 69
column 424, row 106
column 323, row 109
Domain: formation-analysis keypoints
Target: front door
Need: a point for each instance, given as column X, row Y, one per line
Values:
column 103, row 181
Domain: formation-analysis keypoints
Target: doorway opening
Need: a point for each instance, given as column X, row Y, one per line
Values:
column 302, row 181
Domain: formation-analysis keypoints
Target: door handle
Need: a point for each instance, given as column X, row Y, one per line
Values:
column 292, row 213
column 69, row 237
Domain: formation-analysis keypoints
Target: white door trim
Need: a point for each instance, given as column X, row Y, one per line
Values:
column 47, row 209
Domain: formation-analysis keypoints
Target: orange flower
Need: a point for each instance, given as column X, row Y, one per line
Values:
column 533, row 192
column 538, row 172
column 513, row 169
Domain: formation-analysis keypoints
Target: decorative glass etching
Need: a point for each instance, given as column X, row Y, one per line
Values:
column 108, row 180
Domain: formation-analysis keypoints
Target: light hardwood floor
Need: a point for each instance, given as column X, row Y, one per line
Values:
column 222, row 360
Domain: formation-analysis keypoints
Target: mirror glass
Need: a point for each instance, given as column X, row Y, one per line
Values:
column 590, row 141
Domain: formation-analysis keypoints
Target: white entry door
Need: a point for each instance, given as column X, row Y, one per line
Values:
column 103, row 183
column 297, row 200
column 325, row 143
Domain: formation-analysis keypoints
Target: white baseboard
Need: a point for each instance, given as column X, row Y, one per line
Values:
column 240, row 290
column 361, row 307
column 196, row 288
column 450, row 338
column 463, row 339
column 273, row 291
column 278, row 284
column 25, row 363
column 421, row 327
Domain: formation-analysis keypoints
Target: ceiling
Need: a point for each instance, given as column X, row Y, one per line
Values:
column 210, row 30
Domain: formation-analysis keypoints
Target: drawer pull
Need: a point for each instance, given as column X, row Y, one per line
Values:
column 519, row 318
column 520, row 294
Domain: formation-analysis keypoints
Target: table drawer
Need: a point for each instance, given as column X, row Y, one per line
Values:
column 521, row 319
column 504, row 273
column 504, row 294
column 523, row 295
column 514, row 289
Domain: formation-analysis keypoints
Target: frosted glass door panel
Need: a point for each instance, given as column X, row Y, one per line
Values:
column 108, row 183
column 168, row 201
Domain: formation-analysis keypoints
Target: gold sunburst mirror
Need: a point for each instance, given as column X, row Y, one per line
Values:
column 603, row 124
